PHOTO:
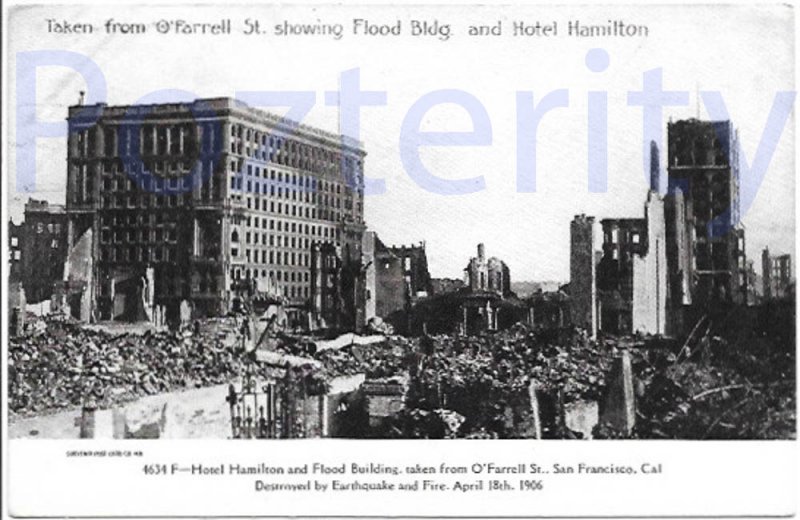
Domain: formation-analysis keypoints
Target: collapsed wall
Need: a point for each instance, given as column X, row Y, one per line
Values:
column 74, row 294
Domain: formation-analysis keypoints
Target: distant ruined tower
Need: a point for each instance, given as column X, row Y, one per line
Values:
column 582, row 274
column 766, row 273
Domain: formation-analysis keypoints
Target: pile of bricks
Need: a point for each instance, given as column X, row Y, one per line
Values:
column 487, row 378
column 383, row 359
column 65, row 365
column 564, row 362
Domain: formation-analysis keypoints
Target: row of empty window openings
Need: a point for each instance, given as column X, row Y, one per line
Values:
column 275, row 276
column 183, row 139
column 264, row 239
column 274, row 257
column 698, row 152
column 613, row 237
column 308, row 182
column 146, row 140
column 282, row 159
column 52, row 228
column 145, row 201
column 294, row 210
column 254, row 143
column 137, row 219
column 286, row 227
column 138, row 254
column 141, row 235
column 289, row 193
column 149, row 174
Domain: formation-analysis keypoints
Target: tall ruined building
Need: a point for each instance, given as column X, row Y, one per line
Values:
column 707, row 260
column 218, row 199
column 582, row 272
column 632, row 273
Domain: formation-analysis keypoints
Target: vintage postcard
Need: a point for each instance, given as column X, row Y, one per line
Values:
column 399, row 260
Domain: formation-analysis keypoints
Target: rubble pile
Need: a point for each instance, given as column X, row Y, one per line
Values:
column 478, row 378
column 486, row 378
column 737, row 382
column 709, row 399
column 513, row 358
column 64, row 365
column 377, row 360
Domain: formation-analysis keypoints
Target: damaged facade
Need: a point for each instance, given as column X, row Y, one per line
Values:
column 623, row 239
column 548, row 310
column 484, row 302
column 212, row 196
column 777, row 278
column 446, row 285
column 489, row 284
column 38, row 249
column 686, row 254
column 397, row 278
column 632, row 274
column 703, row 165
column 16, row 236
column 74, row 294
column 488, row 274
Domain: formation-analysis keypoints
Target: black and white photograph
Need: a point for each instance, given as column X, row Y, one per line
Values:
column 330, row 227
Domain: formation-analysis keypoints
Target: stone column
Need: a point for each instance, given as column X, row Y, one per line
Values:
column 619, row 408
column 537, row 421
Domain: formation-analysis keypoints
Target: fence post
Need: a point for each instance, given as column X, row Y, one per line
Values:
column 88, row 420
column 119, row 423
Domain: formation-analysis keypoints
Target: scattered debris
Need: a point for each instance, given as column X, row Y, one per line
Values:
column 62, row 364
column 732, row 378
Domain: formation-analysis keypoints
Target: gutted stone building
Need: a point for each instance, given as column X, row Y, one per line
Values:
column 776, row 275
column 632, row 275
column 487, row 302
column 396, row 278
column 16, row 237
column 212, row 195
column 623, row 240
column 38, row 249
column 488, row 274
column 483, row 302
column 415, row 267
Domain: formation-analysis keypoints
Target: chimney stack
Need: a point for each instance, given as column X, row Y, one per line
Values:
column 655, row 170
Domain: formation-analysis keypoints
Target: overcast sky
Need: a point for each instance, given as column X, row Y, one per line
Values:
column 745, row 53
